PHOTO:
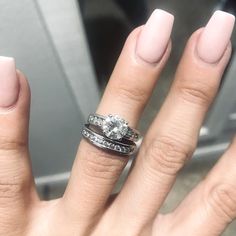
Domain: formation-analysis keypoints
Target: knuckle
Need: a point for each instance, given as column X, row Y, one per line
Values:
column 10, row 144
column 10, row 190
column 196, row 93
column 221, row 201
column 130, row 93
column 166, row 155
column 101, row 165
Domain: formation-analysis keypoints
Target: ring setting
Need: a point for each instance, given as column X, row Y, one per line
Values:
column 114, row 127
column 111, row 133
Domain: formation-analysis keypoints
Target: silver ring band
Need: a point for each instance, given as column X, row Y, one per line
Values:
column 101, row 122
column 108, row 144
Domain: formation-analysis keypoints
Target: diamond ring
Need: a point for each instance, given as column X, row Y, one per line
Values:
column 114, row 127
column 107, row 144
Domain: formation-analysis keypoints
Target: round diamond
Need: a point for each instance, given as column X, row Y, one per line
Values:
column 118, row 148
column 123, row 149
column 91, row 118
column 114, row 127
column 100, row 141
column 99, row 122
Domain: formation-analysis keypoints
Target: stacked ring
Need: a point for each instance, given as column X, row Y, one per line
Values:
column 111, row 133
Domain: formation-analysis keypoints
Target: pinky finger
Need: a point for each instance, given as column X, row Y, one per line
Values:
column 210, row 207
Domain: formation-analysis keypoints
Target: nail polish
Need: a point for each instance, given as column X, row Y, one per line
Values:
column 215, row 37
column 155, row 35
column 9, row 84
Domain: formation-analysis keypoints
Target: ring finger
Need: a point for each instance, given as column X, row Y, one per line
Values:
column 95, row 172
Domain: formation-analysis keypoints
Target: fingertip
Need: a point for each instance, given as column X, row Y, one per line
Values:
column 9, row 83
column 154, row 36
column 215, row 37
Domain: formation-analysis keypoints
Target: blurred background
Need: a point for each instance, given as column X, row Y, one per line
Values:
column 68, row 48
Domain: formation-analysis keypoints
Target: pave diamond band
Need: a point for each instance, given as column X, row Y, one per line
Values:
column 114, row 127
column 108, row 144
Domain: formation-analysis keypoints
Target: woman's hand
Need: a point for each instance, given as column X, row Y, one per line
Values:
column 86, row 207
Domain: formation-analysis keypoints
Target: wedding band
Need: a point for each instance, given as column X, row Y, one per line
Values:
column 114, row 127
column 107, row 144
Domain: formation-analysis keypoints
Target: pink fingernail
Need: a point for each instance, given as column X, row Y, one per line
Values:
column 9, row 84
column 155, row 36
column 215, row 37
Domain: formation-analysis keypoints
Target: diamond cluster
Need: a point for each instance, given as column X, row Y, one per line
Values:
column 132, row 135
column 113, row 127
column 100, row 140
column 95, row 120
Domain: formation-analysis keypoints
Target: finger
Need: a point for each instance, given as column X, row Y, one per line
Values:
column 211, row 206
column 95, row 172
column 173, row 136
column 16, row 182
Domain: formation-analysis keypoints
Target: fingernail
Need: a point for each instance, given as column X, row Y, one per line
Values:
column 155, row 35
column 215, row 37
column 9, row 84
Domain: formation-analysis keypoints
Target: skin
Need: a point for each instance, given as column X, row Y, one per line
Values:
column 86, row 207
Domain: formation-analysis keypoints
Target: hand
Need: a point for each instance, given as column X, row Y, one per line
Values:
column 87, row 208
